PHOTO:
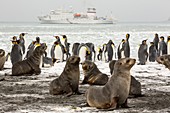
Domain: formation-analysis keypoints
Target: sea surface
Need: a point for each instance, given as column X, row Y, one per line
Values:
column 97, row 34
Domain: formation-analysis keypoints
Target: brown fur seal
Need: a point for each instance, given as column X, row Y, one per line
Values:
column 30, row 65
column 165, row 60
column 92, row 74
column 115, row 92
column 135, row 86
column 68, row 82
column 2, row 59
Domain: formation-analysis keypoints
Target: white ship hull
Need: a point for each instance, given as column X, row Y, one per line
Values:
column 88, row 21
column 54, row 22
column 77, row 21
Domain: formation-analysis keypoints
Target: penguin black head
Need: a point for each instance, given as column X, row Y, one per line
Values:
column 144, row 42
column 14, row 38
column 23, row 34
column 156, row 35
column 151, row 43
column 64, row 36
column 38, row 39
column 57, row 37
column 123, row 40
column 110, row 42
column 162, row 38
column 127, row 35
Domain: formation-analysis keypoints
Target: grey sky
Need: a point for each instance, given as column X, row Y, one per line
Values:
column 123, row 10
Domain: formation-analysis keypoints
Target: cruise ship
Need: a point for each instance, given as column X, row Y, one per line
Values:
column 69, row 17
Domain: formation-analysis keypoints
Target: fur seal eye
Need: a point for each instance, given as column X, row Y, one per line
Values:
column 127, row 61
column 120, row 63
column 161, row 59
column 72, row 58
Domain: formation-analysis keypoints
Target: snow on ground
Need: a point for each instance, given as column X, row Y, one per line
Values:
column 30, row 94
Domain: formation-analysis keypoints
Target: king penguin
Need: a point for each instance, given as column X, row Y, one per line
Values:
column 22, row 42
column 156, row 41
column 57, row 50
column 142, row 53
column 127, row 46
column 66, row 46
column 152, row 52
column 99, row 52
column 16, row 52
column 110, row 51
column 120, row 50
column 84, row 52
column 75, row 48
column 162, row 47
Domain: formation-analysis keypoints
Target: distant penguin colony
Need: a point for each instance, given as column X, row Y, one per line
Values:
column 60, row 50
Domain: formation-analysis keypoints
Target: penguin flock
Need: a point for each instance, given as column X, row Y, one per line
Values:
column 157, row 48
column 61, row 51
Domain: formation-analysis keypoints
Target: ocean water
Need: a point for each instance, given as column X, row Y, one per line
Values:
column 97, row 34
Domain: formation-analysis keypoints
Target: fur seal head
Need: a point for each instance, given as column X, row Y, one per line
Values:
column 124, row 64
column 74, row 60
column 164, row 59
column 87, row 65
column 2, row 52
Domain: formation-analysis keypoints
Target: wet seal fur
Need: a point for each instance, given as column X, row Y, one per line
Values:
column 92, row 74
column 135, row 86
column 115, row 92
column 2, row 59
column 68, row 82
column 165, row 60
column 30, row 65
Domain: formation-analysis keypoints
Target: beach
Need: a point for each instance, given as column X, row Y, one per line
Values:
column 31, row 93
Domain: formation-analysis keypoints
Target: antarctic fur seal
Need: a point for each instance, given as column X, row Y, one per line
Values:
column 30, row 65
column 92, row 74
column 135, row 85
column 2, row 59
column 165, row 60
column 115, row 92
column 68, row 82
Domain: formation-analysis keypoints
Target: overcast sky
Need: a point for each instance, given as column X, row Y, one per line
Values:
column 123, row 10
